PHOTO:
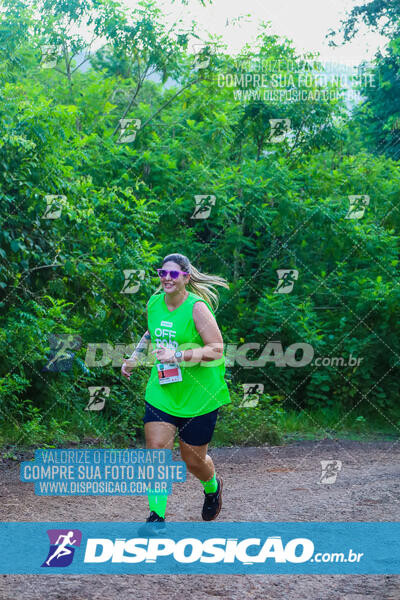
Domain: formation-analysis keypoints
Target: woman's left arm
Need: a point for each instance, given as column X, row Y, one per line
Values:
column 209, row 332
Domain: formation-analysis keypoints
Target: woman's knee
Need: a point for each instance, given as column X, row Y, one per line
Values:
column 159, row 435
column 192, row 458
column 155, row 445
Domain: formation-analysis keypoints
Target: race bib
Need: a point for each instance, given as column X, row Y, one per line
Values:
column 169, row 373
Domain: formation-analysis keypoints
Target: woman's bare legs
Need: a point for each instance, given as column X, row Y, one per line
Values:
column 198, row 462
column 159, row 435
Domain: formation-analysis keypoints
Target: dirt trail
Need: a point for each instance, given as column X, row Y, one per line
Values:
column 260, row 484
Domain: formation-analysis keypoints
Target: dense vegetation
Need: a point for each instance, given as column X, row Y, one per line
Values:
column 279, row 205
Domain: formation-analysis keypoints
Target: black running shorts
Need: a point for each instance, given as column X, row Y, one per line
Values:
column 195, row 431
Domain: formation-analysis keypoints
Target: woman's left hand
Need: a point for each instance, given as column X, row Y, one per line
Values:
column 165, row 355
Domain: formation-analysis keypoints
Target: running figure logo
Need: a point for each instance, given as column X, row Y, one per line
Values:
column 203, row 54
column 330, row 470
column 62, row 547
column 287, row 277
column 61, row 355
column 280, row 129
column 203, row 206
column 50, row 53
column 132, row 281
column 54, row 205
column 357, row 206
column 129, row 127
column 98, row 395
column 251, row 394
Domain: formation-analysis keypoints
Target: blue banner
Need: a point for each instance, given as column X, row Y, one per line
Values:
column 201, row 547
column 72, row 472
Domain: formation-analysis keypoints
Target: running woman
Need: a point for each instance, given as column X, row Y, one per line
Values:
column 181, row 393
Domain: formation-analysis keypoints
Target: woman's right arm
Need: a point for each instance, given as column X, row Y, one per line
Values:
column 139, row 352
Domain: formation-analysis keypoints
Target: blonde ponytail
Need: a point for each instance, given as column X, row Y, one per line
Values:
column 201, row 284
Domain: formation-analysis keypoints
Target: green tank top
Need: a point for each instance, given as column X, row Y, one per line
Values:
column 203, row 387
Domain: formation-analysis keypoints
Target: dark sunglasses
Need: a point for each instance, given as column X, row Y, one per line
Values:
column 174, row 274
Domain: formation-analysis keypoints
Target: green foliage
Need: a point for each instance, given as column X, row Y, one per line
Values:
column 379, row 15
column 126, row 205
column 249, row 426
column 377, row 118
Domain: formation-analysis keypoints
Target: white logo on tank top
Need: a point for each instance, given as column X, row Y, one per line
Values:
column 164, row 338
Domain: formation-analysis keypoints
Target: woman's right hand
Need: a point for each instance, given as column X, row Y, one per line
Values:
column 127, row 366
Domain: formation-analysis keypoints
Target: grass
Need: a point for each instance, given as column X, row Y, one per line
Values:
column 337, row 423
column 265, row 423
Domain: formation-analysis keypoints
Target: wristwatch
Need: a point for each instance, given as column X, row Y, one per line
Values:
column 178, row 356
